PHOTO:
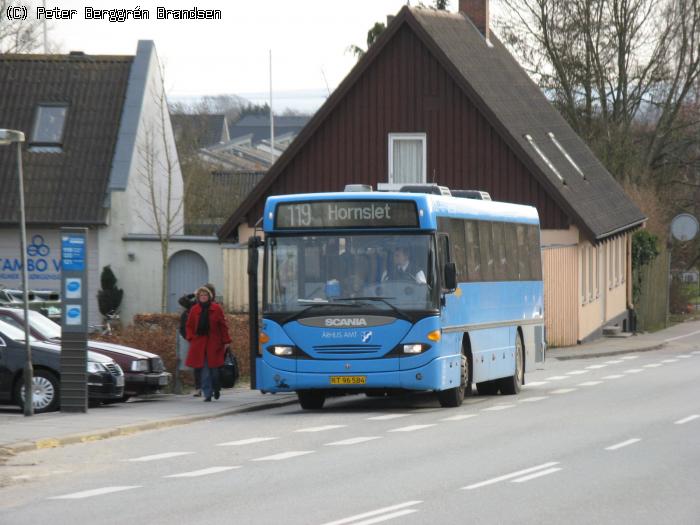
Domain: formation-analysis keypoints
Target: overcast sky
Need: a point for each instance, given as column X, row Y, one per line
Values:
column 308, row 39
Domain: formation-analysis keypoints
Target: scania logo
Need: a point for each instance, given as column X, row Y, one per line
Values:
column 342, row 322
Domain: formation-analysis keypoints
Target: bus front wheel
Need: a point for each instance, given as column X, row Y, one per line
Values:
column 311, row 399
column 453, row 397
column 511, row 385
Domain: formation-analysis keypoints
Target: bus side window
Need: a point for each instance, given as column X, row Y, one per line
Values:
column 533, row 238
column 459, row 251
column 511, row 251
column 486, row 250
column 523, row 253
column 473, row 252
column 499, row 251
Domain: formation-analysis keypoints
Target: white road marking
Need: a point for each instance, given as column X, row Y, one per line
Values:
column 353, row 441
column 614, row 376
column 697, row 352
column 411, row 428
column 320, row 429
column 652, row 365
column 616, row 362
column 681, row 336
column 633, row 371
column 577, row 372
column 155, row 457
column 623, row 444
column 202, row 472
column 372, row 513
column 536, row 383
column 628, row 357
column 248, row 441
column 596, row 367
column 563, row 391
column 512, row 475
column 96, row 492
column 684, row 356
column 386, row 517
column 386, row 417
column 460, row 417
column 536, row 475
column 533, row 399
column 670, row 361
column 687, row 419
column 590, row 383
column 497, row 408
column 284, row 455
column 556, row 378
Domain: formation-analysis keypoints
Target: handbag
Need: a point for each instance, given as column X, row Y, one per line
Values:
column 230, row 371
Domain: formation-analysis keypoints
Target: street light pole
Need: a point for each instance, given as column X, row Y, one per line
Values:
column 8, row 136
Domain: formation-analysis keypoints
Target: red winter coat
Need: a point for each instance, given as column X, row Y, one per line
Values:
column 212, row 344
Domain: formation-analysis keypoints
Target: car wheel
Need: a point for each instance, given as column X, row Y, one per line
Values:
column 311, row 399
column 45, row 393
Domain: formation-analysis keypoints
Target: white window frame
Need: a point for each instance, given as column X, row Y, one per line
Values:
column 423, row 137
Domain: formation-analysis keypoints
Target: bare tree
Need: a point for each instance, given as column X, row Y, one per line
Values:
column 20, row 36
column 158, row 182
column 620, row 71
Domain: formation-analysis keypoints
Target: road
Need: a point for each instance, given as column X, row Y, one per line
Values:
column 597, row 440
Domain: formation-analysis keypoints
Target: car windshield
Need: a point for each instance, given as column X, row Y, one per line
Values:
column 386, row 272
column 13, row 332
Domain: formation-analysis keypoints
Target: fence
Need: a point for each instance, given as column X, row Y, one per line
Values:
column 653, row 293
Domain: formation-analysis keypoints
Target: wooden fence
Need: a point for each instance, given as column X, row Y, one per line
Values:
column 653, row 296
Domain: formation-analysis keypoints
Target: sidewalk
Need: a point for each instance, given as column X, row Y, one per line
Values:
column 18, row 434
column 688, row 332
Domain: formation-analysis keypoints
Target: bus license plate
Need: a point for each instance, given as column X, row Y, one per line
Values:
column 348, row 380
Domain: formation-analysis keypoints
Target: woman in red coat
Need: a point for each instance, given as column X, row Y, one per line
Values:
column 209, row 339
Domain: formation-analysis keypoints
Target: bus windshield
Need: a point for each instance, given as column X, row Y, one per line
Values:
column 386, row 272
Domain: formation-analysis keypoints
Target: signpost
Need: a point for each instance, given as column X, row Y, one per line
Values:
column 74, row 320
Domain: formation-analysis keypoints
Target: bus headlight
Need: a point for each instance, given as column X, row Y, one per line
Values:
column 414, row 348
column 282, row 351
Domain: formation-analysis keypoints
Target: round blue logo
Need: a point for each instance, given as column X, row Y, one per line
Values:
column 73, row 286
column 73, row 313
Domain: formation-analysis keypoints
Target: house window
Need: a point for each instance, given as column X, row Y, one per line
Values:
column 407, row 158
column 543, row 156
column 49, row 124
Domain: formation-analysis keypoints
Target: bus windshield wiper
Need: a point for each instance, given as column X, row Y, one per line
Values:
column 315, row 303
column 384, row 300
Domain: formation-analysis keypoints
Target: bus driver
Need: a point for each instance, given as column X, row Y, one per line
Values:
column 403, row 269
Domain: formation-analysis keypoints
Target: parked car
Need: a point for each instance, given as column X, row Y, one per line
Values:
column 46, row 302
column 105, row 377
column 144, row 372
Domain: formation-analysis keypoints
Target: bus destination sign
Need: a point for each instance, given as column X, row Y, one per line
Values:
column 346, row 214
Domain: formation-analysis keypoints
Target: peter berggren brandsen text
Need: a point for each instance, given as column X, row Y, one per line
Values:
column 123, row 15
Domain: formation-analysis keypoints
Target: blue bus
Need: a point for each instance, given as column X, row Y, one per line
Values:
column 378, row 292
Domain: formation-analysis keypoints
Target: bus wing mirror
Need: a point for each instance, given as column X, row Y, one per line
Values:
column 450, row 277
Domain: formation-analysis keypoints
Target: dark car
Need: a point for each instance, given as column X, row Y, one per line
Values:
column 144, row 372
column 46, row 302
column 105, row 378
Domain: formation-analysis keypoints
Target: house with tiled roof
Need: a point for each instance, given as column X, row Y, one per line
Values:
column 96, row 128
column 439, row 99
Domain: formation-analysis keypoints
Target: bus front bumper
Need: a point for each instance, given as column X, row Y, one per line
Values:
column 439, row 374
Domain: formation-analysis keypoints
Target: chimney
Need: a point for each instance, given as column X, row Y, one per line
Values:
column 478, row 13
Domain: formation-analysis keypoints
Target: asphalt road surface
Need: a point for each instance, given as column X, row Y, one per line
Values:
column 597, row 440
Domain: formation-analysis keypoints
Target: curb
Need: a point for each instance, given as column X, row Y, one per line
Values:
column 7, row 451
column 649, row 348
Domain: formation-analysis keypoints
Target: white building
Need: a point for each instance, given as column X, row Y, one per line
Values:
column 99, row 139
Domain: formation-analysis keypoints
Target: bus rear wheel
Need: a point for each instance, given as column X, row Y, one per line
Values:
column 511, row 385
column 453, row 397
column 311, row 399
